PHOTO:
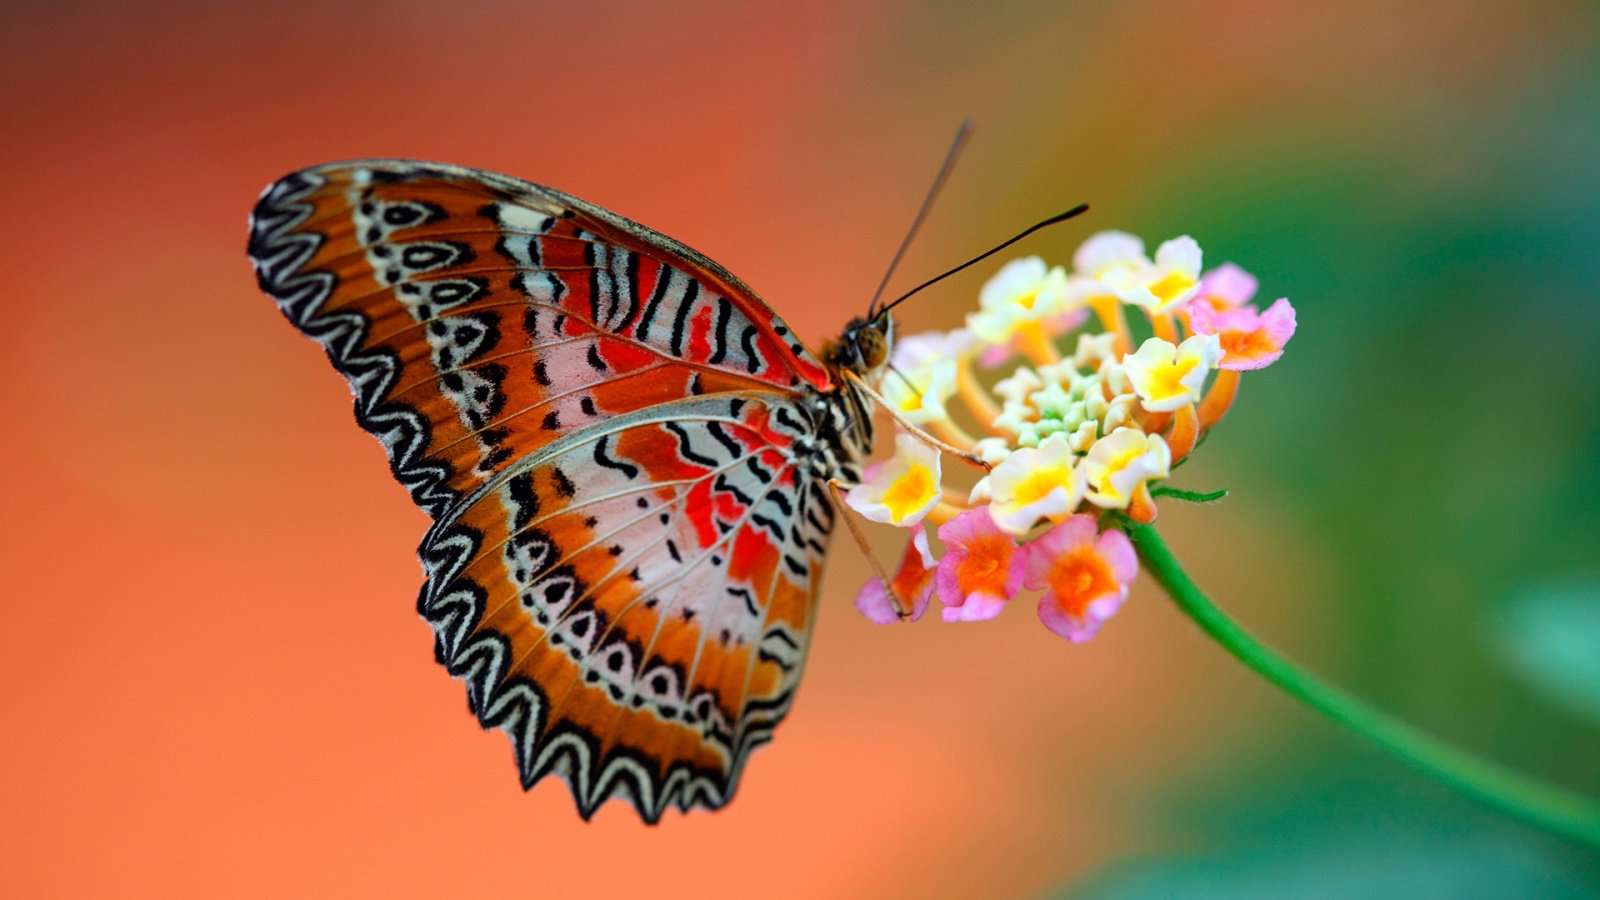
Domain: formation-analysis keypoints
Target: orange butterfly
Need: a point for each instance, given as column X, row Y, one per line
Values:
column 625, row 453
column 629, row 458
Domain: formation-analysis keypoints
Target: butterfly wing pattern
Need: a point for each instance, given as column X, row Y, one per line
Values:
column 624, row 452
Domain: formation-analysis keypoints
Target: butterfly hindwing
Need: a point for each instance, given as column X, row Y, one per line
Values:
column 615, row 439
column 632, row 603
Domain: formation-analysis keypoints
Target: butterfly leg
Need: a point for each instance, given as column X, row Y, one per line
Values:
column 902, row 609
column 942, row 446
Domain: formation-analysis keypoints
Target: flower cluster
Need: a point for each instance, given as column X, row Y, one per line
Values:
column 1069, row 442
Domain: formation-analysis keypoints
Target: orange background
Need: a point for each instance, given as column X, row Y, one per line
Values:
column 218, row 684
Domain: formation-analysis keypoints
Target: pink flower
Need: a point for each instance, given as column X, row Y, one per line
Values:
column 913, row 582
column 1250, row 340
column 1085, row 579
column 1225, row 287
column 981, row 569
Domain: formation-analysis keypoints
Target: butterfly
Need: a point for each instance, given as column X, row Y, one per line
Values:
column 625, row 453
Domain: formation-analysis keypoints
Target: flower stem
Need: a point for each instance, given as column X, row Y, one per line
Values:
column 1545, row 805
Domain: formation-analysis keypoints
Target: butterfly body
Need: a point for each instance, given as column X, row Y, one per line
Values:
column 624, row 451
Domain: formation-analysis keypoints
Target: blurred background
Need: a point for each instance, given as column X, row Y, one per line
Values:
column 218, row 684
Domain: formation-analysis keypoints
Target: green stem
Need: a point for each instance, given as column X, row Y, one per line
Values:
column 1561, row 811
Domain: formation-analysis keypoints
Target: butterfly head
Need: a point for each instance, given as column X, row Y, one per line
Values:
column 864, row 347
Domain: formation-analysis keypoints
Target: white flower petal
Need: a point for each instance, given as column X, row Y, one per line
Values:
column 1108, row 251
column 1015, row 279
column 902, row 489
column 1181, row 254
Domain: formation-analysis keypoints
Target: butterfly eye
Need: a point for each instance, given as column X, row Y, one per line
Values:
column 873, row 347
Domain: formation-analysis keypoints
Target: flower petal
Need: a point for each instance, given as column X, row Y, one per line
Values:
column 901, row 490
column 1106, row 251
column 1249, row 340
column 1181, row 254
column 1121, row 461
column 978, row 607
column 1167, row 377
column 981, row 564
column 874, row 603
column 1035, row 483
column 1225, row 287
column 1085, row 577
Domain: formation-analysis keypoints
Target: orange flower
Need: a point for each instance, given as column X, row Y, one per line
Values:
column 913, row 584
column 1085, row 579
column 981, row 569
column 1249, row 340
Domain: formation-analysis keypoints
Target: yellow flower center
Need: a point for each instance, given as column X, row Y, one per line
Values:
column 909, row 492
column 1027, row 300
column 1040, row 482
column 1115, row 465
column 1171, row 285
column 1167, row 380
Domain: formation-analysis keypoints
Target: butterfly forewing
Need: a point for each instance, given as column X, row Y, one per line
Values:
column 610, row 433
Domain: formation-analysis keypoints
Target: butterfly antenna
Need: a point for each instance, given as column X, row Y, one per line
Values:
column 1078, row 210
column 962, row 134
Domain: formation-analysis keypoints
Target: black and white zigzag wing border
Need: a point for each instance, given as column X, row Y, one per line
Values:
column 280, row 252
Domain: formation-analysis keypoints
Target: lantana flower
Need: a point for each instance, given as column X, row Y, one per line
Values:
column 981, row 568
column 1225, row 287
column 1249, row 340
column 1121, row 412
column 1094, row 350
column 1078, row 442
column 1109, row 254
column 1068, row 441
column 1167, row 377
column 902, row 489
column 1122, row 461
column 1033, row 484
column 912, row 582
column 1085, row 576
column 924, row 375
column 1167, row 284
column 1025, row 299
column 1055, row 399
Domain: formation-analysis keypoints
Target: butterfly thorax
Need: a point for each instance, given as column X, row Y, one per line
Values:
column 859, row 355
